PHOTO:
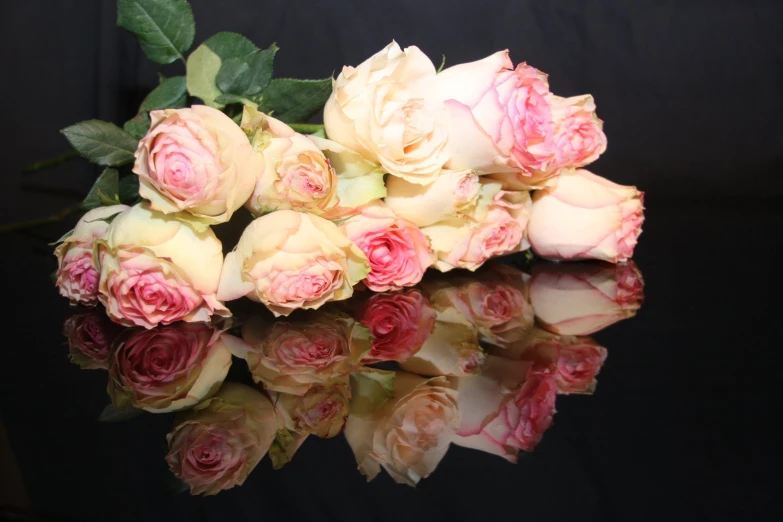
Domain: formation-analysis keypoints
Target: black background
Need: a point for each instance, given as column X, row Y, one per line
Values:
column 691, row 93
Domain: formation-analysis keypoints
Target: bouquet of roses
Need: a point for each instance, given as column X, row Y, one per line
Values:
column 413, row 168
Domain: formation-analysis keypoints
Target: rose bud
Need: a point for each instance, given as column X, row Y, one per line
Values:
column 584, row 216
column 289, row 260
column 386, row 110
column 581, row 299
column 156, row 269
column 306, row 173
column 291, row 357
column 196, row 160
column 496, row 227
column 218, row 443
column 77, row 277
column 90, row 335
column 500, row 118
column 503, row 422
column 321, row 411
column 399, row 323
column 409, row 434
column 454, row 194
column 452, row 349
column 168, row 368
column 397, row 251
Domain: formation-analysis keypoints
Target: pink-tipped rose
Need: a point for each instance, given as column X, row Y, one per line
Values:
column 581, row 299
column 77, row 277
column 577, row 365
column 156, row 269
column 196, row 160
column 321, row 411
column 397, row 251
column 584, row 216
column 579, row 136
column 90, row 335
column 399, row 322
column 218, row 443
column 169, row 368
column 500, row 118
column 289, row 260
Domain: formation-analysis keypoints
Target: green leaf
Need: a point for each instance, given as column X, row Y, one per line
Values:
column 104, row 192
column 294, row 101
column 129, row 189
column 102, row 142
column 112, row 414
column 369, row 390
column 228, row 99
column 165, row 28
column 170, row 94
column 202, row 69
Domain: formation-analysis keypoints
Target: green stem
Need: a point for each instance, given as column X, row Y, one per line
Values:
column 15, row 227
column 306, row 128
column 51, row 162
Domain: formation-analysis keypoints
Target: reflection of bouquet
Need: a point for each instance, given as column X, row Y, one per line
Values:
column 422, row 168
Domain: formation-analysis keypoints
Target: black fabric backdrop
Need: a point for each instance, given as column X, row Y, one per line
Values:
column 690, row 91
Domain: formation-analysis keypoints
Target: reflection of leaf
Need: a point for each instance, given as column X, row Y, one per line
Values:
column 284, row 447
column 370, row 389
column 112, row 414
column 176, row 485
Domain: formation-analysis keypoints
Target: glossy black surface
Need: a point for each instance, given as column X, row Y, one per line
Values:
column 679, row 426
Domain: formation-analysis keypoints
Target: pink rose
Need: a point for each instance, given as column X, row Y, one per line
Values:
column 397, row 251
column 218, row 443
column 321, row 411
column 168, row 368
column 584, row 216
column 582, row 299
column 577, row 366
column 90, row 335
column 156, row 269
column 77, row 277
column 196, row 160
column 500, row 118
column 579, row 135
column 291, row 357
column 399, row 322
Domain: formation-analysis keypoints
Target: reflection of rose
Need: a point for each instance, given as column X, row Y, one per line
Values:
column 452, row 349
column 291, row 357
column 90, row 335
column 399, row 322
column 409, row 434
column 216, row 445
column 577, row 366
column 168, row 368
column 321, row 411
column 580, row 300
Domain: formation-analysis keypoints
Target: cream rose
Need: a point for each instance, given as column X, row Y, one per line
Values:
column 156, row 269
column 196, row 160
column 385, row 109
column 496, row 227
column 321, row 411
column 289, row 260
column 500, row 118
column 454, row 194
column 77, row 277
column 584, row 216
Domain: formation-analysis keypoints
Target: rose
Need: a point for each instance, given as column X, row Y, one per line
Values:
column 90, row 335
column 577, row 366
column 168, row 368
column 385, row 110
column 500, row 118
column 503, row 422
column 289, row 260
column 399, row 322
column 579, row 136
column 321, row 411
column 77, row 277
column 410, row 433
column 397, row 251
column 219, row 442
column 156, row 269
column 197, row 160
column 455, row 193
column 300, row 171
column 291, row 357
column 584, row 216
column 580, row 300
column 496, row 227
